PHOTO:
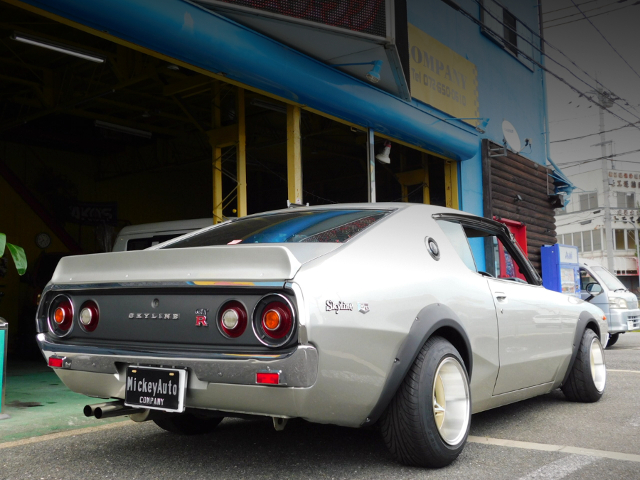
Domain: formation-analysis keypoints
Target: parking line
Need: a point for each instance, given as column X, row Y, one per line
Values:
column 624, row 371
column 547, row 447
column 68, row 433
column 560, row 468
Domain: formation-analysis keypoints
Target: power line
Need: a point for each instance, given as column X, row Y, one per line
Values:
column 582, row 162
column 590, row 135
column 567, row 8
column 578, row 221
column 581, row 94
column 586, row 171
column 590, row 10
column 605, row 38
column 591, row 16
column 542, row 67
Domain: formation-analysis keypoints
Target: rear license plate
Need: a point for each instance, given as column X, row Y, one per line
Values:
column 156, row 388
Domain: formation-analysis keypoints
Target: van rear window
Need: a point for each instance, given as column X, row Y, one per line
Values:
column 320, row 226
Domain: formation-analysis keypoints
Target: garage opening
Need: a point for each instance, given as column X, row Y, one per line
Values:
column 96, row 136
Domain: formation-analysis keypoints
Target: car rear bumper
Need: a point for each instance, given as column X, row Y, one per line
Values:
column 220, row 381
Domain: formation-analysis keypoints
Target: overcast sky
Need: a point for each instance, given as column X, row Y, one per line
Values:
column 572, row 116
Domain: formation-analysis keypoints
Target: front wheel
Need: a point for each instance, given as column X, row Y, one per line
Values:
column 427, row 422
column 588, row 375
column 186, row 423
column 613, row 338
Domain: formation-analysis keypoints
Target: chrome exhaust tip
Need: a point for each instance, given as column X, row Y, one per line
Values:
column 110, row 409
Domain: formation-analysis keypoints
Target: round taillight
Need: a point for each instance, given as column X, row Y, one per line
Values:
column 232, row 319
column 89, row 315
column 274, row 320
column 61, row 315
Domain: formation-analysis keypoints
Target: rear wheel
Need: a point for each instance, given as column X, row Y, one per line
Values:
column 427, row 422
column 613, row 338
column 588, row 375
column 186, row 423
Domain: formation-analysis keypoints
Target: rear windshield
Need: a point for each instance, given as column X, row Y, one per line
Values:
column 324, row 226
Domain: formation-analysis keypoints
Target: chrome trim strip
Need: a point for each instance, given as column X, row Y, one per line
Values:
column 299, row 366
column 200, row 283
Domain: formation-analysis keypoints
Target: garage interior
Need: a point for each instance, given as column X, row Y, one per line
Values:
column 89, row 125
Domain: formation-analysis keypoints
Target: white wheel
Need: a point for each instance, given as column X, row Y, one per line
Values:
column 451, row 401
column 588, row 376
column 428, row 420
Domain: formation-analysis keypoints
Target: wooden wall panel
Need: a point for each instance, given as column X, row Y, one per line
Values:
column 506, row 176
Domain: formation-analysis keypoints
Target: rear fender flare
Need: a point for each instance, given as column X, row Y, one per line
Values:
column 430, row 319
column 585, row 321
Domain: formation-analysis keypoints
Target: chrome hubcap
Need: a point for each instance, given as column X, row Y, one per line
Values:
column 598, row 369
column 451, row 401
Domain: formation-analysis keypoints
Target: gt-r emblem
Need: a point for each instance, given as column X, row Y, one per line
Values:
column 363, row 307
column 201, row 317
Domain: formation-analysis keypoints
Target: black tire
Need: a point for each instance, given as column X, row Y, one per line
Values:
column 586, row 383
column 409, row 426
column 186, row 423
column 613, row 338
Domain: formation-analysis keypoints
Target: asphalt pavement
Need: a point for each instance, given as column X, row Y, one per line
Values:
column 543, row 438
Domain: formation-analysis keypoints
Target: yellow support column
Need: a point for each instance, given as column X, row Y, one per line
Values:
column 294, row 155
column 426, row 193
column 241, row 154
column 217, row 155
column 451, row 183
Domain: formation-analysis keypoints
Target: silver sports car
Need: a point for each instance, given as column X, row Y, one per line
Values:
column 406, row 315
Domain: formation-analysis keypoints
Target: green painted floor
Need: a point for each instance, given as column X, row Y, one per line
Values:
column 38, row 403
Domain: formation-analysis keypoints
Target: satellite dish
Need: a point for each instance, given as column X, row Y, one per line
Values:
column 511, row 136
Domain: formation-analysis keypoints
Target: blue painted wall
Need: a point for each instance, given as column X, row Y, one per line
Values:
column 508, row 90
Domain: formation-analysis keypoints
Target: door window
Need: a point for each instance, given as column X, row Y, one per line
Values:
column 503, row 258
column 585, row 279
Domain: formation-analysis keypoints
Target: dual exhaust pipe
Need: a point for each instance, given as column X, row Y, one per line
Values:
column 115, row 409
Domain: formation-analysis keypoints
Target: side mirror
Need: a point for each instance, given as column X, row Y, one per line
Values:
column 594, row 288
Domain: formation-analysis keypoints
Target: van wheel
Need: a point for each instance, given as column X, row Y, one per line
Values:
column 186, row 423
column 613, row 338
column 427, row 422
column 588, row 375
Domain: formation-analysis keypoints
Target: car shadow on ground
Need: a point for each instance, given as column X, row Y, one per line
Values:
column 252, row 444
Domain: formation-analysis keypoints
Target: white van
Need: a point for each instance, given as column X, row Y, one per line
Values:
column 139, row 237
column 600, row 287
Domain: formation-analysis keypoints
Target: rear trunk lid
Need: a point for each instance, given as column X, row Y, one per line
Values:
column 238, row 263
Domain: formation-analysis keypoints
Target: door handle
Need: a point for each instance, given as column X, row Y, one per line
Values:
column 501, row 297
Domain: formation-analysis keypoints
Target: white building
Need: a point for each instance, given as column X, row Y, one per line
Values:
column 582, row 222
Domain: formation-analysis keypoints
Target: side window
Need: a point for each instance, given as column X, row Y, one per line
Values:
column 500, row 256
column 456, row 235
column 504, row 264
column 585, row 279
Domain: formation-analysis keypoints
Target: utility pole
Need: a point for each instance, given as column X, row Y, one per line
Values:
column 606, row 100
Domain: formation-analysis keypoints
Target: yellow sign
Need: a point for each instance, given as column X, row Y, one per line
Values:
column 442, row 78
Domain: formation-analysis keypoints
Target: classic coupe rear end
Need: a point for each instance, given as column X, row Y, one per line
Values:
column 344, row 314
column 218, row 328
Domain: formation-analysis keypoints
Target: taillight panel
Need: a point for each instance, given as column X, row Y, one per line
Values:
column 245, row 319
